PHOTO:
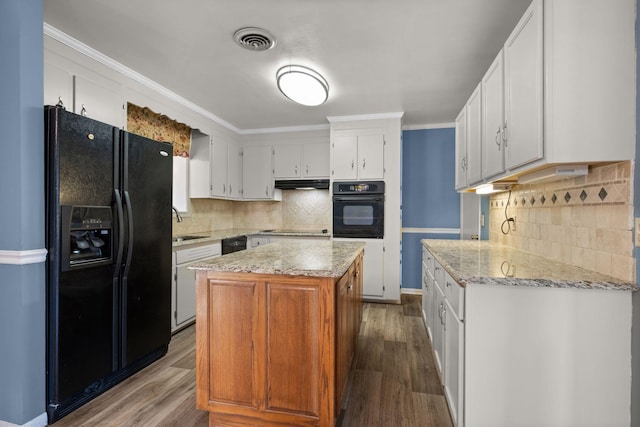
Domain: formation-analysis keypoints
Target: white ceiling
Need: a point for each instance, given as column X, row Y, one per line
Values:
column 421, row 57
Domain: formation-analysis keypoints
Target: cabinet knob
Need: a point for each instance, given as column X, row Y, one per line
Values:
column 352, row 164
column 364, row 163
column 498, row 141
column 266, row 191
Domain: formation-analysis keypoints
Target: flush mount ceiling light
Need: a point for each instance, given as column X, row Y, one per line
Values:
column 302, row 85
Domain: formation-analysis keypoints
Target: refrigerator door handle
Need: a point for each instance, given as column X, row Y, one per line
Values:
column 127, row 264
column 116, row 270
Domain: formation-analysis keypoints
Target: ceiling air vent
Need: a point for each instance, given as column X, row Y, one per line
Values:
column 255, row 39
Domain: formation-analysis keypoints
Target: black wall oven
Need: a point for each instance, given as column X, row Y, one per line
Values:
column 358, row 209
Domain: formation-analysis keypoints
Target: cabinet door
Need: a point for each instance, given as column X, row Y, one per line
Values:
column 427, row 300
column 523, row 90
column 185, row 295
column 371, row 156
column 474, row 136
column 257, row 172
column 286, row 161
column 438, row 328
column 200, row 166
column 58, row 86
column 344, row 157
column 373, row 265
column 219, row 153
column 343, row 344
column 234, row 172
column 461, row 149
column 101, row 101
column 315, row 160
column 492, row 119
column 453, row 365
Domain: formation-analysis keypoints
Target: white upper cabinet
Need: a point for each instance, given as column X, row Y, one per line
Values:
column 493, row 119
column 474, row 136
column 100, row 100
column 219, row 167
column 215, row 167
column 200, row 165
column 461, row 149
column 234, row 171
column 292, row 161
column 286, row 161
column 358, row 155
column 58, row 86
column 560, row 91
column 468, row 141
column 315, row 160
column 523, row 90
column 257, row 174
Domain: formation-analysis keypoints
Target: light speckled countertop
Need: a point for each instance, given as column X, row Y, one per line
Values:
column 318, row 258
column 483, row 262
column 216, row 235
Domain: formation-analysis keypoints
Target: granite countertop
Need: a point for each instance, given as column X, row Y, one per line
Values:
column 484, row 262
column 216, row 235
column 318, row 258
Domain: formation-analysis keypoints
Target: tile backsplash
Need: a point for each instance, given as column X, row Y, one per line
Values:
column 298, row 210
column 584, row 221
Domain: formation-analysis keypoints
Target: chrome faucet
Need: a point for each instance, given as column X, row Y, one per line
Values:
column 178, row 217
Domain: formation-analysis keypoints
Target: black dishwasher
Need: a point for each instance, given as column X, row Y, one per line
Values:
column 234, row 244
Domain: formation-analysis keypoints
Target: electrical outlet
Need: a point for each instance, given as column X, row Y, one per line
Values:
column 637, row 231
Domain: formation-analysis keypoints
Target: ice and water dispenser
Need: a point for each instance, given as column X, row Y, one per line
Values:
column 87, row 236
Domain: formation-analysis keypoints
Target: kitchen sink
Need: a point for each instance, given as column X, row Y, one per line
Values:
column 185, row 238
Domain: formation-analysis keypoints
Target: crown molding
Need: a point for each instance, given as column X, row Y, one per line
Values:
column 33, row 256
column 284, row 129
column 90, row 52
column 381, row 116
column 430, row 126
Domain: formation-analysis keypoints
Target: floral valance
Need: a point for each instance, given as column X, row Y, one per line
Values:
column 143, row 121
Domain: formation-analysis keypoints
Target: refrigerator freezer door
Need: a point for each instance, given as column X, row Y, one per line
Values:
column 146, row 292
column 82, row 327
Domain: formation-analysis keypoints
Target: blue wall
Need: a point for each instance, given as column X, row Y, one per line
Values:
column 22, row 287
column 429, row 198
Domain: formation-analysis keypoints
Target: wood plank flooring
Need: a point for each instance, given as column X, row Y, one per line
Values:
column 394, row 381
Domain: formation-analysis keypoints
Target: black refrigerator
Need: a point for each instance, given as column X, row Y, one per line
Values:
column 108, row 236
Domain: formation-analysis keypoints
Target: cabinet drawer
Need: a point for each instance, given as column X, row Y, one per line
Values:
column 454, row 293
column 438, row 274
column 428, row 260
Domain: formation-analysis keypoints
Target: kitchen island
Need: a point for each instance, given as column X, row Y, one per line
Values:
column 276, row 328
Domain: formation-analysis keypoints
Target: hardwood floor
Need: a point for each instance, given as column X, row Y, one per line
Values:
column 394, row 381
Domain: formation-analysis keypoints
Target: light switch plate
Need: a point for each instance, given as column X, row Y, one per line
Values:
column 637, row 231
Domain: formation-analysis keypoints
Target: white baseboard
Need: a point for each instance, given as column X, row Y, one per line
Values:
column 411, row 291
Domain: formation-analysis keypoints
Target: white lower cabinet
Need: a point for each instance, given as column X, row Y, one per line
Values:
column 183, row 292
column 438, row 329
column 525, row 355
column 443, row 308
column 453, row 366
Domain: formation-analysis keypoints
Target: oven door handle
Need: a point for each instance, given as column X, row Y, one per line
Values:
column 358, row 198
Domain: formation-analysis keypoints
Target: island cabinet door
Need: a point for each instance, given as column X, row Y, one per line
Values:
column 265, row 349
column 227, row 333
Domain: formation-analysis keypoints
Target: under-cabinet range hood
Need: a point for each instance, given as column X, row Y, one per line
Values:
column 302, row 184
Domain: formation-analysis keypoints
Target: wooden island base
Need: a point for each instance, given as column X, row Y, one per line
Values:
column 275, row 349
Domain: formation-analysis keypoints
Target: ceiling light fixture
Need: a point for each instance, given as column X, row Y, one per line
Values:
column 302, row 85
